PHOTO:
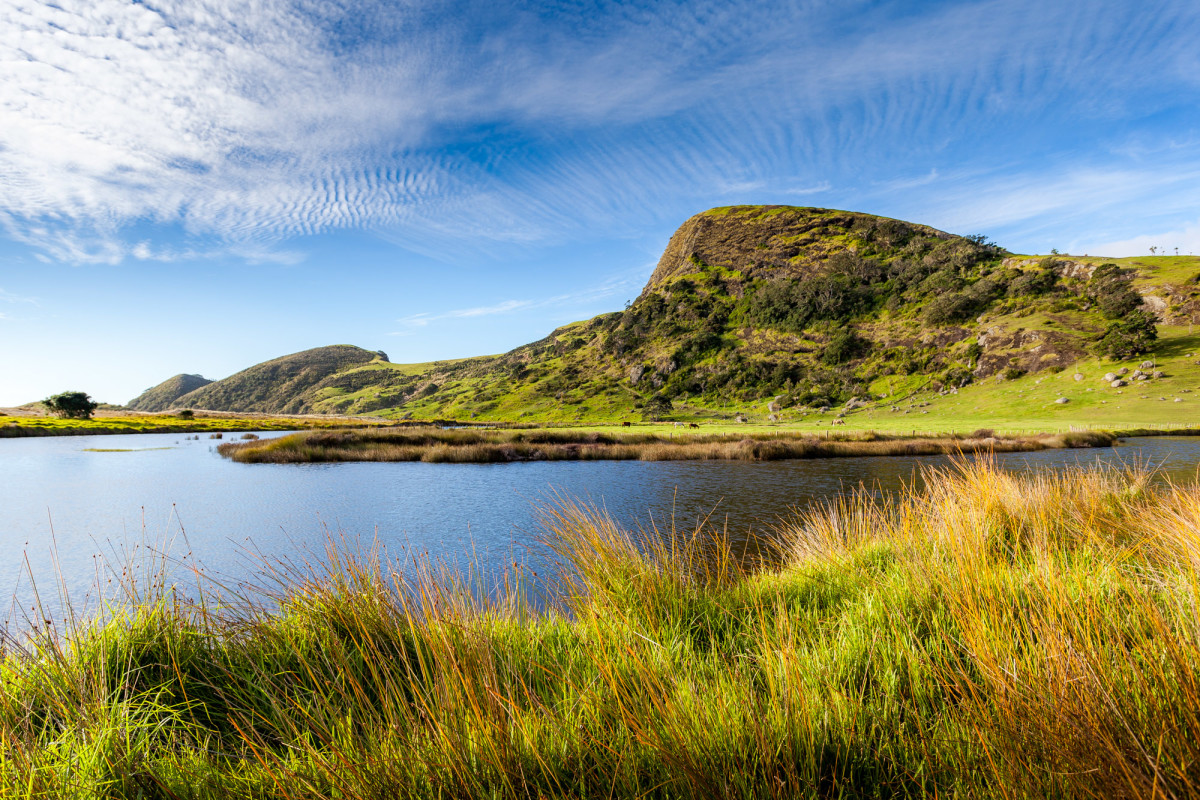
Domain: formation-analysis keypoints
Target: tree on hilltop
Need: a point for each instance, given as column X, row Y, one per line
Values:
column 71, row 405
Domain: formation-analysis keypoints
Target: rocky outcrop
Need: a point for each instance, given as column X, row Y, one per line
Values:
column 1029, row 351
column 768, row 240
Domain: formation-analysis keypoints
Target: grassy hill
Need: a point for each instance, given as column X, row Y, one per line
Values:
column 284, row 385
column 164, row 395
column 801, row 315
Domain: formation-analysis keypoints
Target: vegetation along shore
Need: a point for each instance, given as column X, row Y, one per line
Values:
column 994, row 635
column 481, row 445
column 26, row 422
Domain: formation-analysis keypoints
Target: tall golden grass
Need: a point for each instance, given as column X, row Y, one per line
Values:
column 484, row 446
column 993, row 635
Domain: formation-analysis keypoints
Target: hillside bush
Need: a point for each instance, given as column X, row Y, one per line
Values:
column 845, row 345
column 1131, row 336
column 1042, row 280
column 791, row 305
column 1112, row 290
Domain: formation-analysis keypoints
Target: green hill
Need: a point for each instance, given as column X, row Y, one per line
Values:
column 775, row 313
column 284, row 385
column 164, row 395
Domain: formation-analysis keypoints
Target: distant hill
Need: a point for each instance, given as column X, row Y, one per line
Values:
column 164, row 395
column 286, row 385
column 772, row 311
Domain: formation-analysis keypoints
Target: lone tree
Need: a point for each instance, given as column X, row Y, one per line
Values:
column 71, row 405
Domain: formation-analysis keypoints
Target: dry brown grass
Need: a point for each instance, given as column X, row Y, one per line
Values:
column 487, row 446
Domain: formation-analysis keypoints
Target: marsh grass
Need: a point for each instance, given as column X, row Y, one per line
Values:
column 990, row 636
column 485, row 446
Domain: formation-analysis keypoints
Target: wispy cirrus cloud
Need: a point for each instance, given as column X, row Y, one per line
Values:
column 616, row 285
column 423, row 319
column 237, row 125
column 9, row 297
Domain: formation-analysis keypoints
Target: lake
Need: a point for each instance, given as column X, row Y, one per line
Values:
column 62, row 504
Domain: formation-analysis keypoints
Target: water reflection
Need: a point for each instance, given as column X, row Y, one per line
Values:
column 484, row 514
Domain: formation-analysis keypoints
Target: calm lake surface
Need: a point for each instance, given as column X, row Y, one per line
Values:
column 59, row 499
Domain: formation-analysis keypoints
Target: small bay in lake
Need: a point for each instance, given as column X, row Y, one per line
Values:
column 74, row 498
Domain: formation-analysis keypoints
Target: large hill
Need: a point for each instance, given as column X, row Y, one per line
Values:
column 774, row 310
column 284, row 385
column 166, row 394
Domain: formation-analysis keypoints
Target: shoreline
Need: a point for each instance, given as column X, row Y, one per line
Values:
column 23, row 427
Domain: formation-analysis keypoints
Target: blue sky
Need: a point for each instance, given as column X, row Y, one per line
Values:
column 196, row 186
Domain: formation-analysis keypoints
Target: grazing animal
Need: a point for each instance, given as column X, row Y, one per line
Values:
column 839, row 422
column 626, row 424
column 693, row 425
column 678, row 424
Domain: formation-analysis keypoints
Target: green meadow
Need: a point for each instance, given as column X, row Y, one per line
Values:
column 21, row 423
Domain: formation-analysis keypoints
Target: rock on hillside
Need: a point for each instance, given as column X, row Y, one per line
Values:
column 165, row 394
column 286, row 385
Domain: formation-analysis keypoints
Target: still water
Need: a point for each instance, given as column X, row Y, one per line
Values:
column 62, row 503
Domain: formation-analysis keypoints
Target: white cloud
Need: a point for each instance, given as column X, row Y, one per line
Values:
column 9, row 297
column 252, row 122
column 617, row 284
column 228, row 117
column 1185, row 241
column 904, row 184
column 818, row 188
column 423, row 319
column 1070, row 208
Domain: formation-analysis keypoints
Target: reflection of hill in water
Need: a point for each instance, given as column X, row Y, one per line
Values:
column 460, row 513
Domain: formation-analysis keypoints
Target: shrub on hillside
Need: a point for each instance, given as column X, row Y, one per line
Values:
column 1131, row 336
column 1112, row 289
column 791, row 305
column 845, row 345
column 1042, row 280
column 657, row 407
column 948, row 308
